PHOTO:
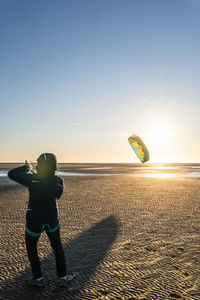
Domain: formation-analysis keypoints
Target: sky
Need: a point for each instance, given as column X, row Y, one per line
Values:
column 78, row 77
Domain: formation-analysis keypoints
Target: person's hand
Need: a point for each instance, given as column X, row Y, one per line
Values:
column 28, row 167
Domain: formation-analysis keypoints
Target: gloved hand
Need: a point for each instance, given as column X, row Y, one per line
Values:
column 28, row 167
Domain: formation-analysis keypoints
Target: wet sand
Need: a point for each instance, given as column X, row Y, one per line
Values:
column 124, row 237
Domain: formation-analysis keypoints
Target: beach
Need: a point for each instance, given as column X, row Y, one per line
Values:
column 127, row 232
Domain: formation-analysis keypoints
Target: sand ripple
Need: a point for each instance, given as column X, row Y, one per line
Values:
column 124, row 237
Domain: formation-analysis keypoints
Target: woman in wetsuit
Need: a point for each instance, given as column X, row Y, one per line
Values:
column 42, row 213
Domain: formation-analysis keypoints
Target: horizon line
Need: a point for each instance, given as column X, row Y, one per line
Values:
column 111, row 162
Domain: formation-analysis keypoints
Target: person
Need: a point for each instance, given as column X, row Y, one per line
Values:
column 42, row 213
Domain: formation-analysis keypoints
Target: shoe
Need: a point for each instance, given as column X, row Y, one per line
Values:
column 36, row 282
column 63, row 281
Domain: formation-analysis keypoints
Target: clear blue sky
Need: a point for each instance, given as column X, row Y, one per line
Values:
column 78, row 77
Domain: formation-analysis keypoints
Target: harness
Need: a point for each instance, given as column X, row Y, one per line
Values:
column 46, row 227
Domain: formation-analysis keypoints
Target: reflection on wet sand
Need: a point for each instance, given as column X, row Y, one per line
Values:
column 128, row 170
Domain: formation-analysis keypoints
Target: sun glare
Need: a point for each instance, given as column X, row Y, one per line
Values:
column 159, row 136
column 159, row 140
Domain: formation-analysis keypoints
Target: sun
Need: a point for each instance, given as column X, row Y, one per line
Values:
column 159, row 140
column 159, row 135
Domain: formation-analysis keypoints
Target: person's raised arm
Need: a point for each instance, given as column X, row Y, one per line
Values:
column 21, row 175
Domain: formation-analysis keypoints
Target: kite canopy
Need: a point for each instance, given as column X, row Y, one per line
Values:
column 139, row 148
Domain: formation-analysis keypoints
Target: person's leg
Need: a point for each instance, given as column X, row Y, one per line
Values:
column 56, row 245
column 31, row 246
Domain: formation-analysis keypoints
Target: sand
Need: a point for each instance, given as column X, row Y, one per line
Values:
column 124, row 237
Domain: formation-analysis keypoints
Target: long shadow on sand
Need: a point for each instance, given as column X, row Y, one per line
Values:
column 83, row 256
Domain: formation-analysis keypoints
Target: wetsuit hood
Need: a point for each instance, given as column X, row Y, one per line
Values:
column 46, row 164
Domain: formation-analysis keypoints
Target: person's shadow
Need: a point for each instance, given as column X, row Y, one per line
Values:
column 83, row 256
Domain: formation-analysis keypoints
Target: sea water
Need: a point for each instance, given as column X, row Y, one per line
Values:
column 157, row 171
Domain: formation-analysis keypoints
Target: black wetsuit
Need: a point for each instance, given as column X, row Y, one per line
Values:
column 42, row 214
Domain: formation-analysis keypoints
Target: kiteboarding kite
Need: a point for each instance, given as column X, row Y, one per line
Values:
column 139, row 148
